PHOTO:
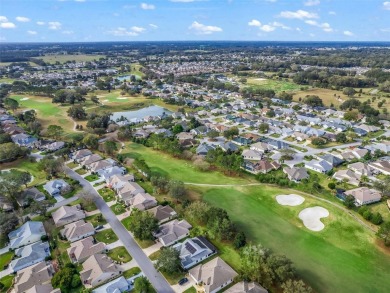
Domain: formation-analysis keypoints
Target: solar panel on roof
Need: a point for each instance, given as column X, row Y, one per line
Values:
column 190, row 248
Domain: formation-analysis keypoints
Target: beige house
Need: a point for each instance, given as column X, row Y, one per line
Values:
column 128, row 190
column 66, row 214
column 79, row 251
column 90, row 159
column 364, row 195
column 143, row 201
column 163, row 213
column 350, row 176
column 296, row 174
column 382, row 167
column 213, row 275
column 246, row 287
column 77, row 230
column 98, row 269
column 173, row 231
column 39, row 274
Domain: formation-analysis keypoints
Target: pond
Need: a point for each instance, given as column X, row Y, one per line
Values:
column 134, row 116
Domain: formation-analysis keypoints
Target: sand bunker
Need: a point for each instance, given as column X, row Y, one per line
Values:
column 260, row 79
column 24, row 99
column 311, row 218
column 105, row 100
column 290, row 200
column 122, row 98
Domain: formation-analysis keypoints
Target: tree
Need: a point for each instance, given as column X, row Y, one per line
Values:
column 349, row 91
column 331, row 185
column 5, row 137
column 341, row 137
column 197, row 212
column 12, row 181
column 10, row 151
column 263, row 127
column 270, row 113
column 384, row 233
column 51, row 165
column 213, row 134
column 383, row 185
column 177, row 129
column 143, row 224
column 313, row 101
column 319, row 141
column 349, row 201
column 231, row 132
column 239, row 240
column 8, row 222
column 352, row 115
column 281, row 267
column 39, row 208
column 296, row 286
column 11, row 104
column 95, row 99
column 54, row 131
column 169, row 260
column 77, row 112
column 176, row 189
column 91, row 141
column 110, row 147
column 377, row 219
column 64, row 279
column 142, row 285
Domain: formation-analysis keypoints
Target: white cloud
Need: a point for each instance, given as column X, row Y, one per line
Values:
column 146, row 6
column 386, row 5
column 54, row 25
column 7, row 25
column 281, row 25
column 273, row 1
column 299, row 14
column 40, row 23
column 137, row 29
column 312, row 2
column 202, row 29
column 22, row 19
column 32, row 32
column 385, row 30
column 68, row 32
column 3, row 19
column 332, row 13
column 183, row 1
column 153, row 26
column 348, row 33
column 79, row 0
column 123, row 32
column 267, row 28
column 324, row 26
column 254, row 22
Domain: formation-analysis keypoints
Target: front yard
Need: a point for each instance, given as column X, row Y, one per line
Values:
column 118, row 208
column 107, row 194
column 107, row 236
column 132, row 272
column 5, row 259
column 7, row 282
column 81, row 171
column 92, row 177
column 96, row 220
column 120, row 254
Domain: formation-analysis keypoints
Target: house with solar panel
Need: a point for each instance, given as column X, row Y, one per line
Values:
column 194, row 250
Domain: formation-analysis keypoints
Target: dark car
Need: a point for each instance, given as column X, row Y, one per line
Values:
column 99, row 227
column 183, row 281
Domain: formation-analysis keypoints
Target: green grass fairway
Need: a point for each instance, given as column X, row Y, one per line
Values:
column 271, row 84
column 27, row 166
column 64, row 58
column 341, row 258
column 177, row 169
column 48, row 113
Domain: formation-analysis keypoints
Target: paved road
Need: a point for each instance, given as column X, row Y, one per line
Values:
column 157, row 280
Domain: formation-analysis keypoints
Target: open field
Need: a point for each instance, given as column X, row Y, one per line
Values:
column 26, row 165
column 47, row 112
column 271, row 84
column 64, row 58
column 343, row 244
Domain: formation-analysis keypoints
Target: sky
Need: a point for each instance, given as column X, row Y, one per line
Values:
column 171, row 20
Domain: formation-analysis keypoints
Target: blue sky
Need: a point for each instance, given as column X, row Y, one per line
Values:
column 155, row 20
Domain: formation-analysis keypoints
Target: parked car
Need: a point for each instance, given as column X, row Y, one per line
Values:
column 183, row 281
column 99, row 227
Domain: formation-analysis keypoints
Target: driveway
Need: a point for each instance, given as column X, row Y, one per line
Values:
column 157, row 280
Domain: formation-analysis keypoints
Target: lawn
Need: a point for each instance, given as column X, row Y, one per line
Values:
column 155, row 255
column 276, row 85
column 120, row 254
column 26, row 165
column 132, row 272
column 7, row 282
column 64, row 58
column 118, row 208
column 81, row 171
column 190, row 290
column 177, row 169
column 72, row 165
column 107, row 194
column 96, row 220
column 92, row 177
column 349, row 261
column 127, row 222
column 5, row 259
column 47, row 112
column 107, row 236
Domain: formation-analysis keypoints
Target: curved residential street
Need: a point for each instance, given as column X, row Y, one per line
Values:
column 146, row 265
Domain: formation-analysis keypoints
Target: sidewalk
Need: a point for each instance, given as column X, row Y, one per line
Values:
column 152, row 249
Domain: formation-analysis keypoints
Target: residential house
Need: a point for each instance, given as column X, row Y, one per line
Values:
column 194, row 250
column 115, row 286
column 117, row 181
column 67, row 214
column 263, row 166
column 213, row 276
column 35, row 275
column 28, row 195
column 173, row 231
column 228, row 146
column 80, row 250
column 56, row 187
column 100, row 166
column 54, row 146
column 143, row 201
column 163, row 213
column 128, row 190
column 296, row 174
column 349, row 155
column 334, row 161
column 347, row 175
column 382, row 167
column 252, row 155
column 277, row 144
column 300, row 136
column 77, row 230
column 242, row 141
column 80, row 154
column 184, row 136
column 25, row 140
column 203, row 149
column 90, row 159
column 30, row 232
column 107, row 173
column 361, row 169
column 381, row 146
column 364, row 195
column 246, row 287
column 320, row 166
column 30, row 255
column 98, row 269
column 261, row 147
column 5, row 204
